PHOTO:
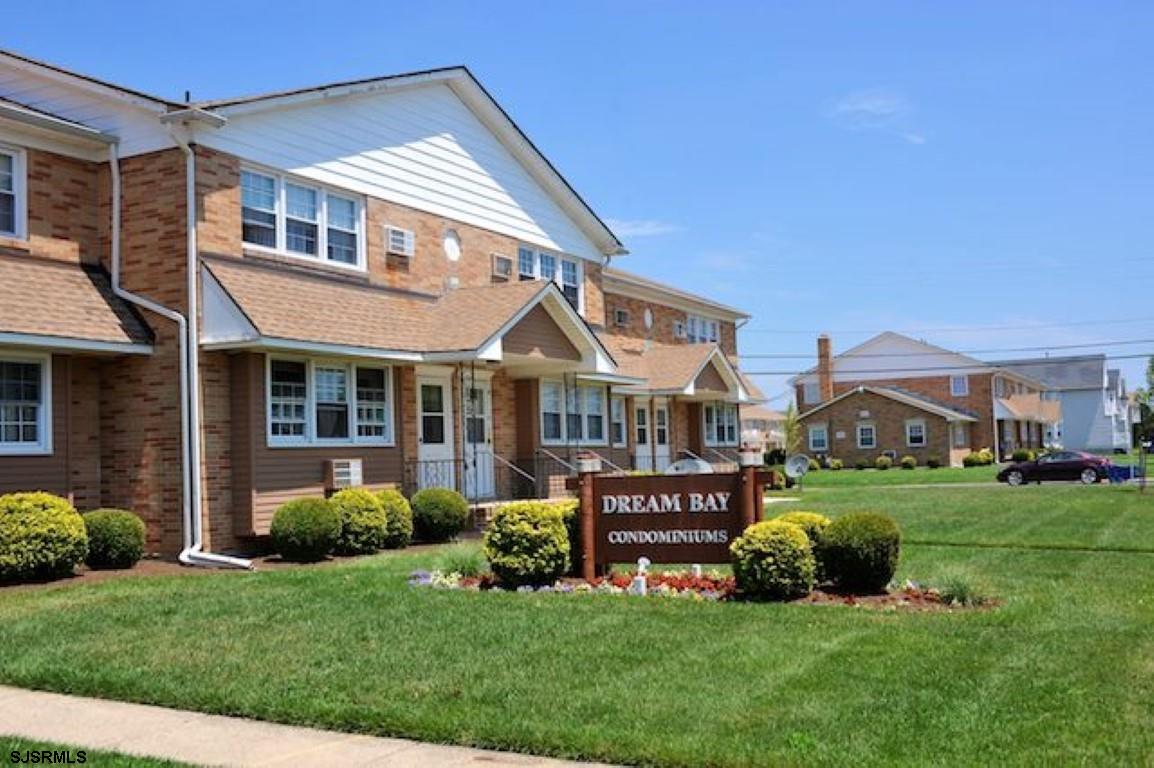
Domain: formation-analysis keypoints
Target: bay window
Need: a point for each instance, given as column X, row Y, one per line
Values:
column 24, row 405
column 572, row 414
column 541, row 265
column 313, row 402
column 300, row 219
column 720, row 424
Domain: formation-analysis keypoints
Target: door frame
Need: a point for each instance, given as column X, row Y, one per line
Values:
column 482, row 380
column 666, row 405
column 442, row 377
column 642, row 452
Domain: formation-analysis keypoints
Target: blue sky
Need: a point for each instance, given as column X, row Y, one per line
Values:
column 838, row 167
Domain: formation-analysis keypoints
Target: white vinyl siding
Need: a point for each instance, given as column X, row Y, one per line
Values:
column 13, row 202
column 420, row 147
column 720, row 424
column 818, row 437
column 285, row 216
column 25, row 404
column 316, row 402
column 573, row 414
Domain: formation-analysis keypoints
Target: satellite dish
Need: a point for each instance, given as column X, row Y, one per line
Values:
column 690, row 466
column 796, row 466
column 648, row 317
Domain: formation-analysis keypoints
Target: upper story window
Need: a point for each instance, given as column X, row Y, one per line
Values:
column 301, row 219
column 12, row 198
column 540, row 265
column 701, row 330
column 960, row 386
column 328, row 402
column 25, row 427
column 720, row 424
column 811, row 393
column 572, row 414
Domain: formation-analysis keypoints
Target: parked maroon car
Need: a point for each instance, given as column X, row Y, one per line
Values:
column 1061, row 465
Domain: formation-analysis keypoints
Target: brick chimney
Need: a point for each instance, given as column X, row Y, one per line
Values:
column 824, row 368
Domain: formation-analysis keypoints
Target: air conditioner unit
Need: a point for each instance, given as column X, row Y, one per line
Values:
column 502, row 267
column 343, row 473
column 400, row 242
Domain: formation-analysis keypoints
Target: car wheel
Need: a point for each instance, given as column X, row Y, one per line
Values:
column 1015, row 478
column 1089, row 476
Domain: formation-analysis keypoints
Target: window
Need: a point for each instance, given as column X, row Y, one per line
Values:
column 916, row 433
column 866, row 436
column 621, row 318
column 811, row 393
column 314, row 402
column 661, row 425
column 401, row 242
column 11, row 192
column 720, row 424
column 818, row 437
column 617, row 421
column 538, row 265
column 551, row 412
column 24, row 405
column 300, row 219
column 641, row 424
column 583, row 418
column 678, row 329
column 961, row 440
column 700, row 330
column 959, row 386
column 502, row 267
column 594, row 414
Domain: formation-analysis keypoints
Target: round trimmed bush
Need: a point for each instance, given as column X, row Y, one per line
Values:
column 42, row 536
column 883, row 462
column 398, row 519
column 814, row 526
column 1023, row 454
column 860, row 464
column 439, row 514
column 859, row 552
column 364, row 523
column 115, row 538
column 836, row 464
column 985, row 457
column 909, row 462
column 526, row 543
column 814, row 465
column 305, row 530
column 773, row 560
column 933, row 462
column 972, row 459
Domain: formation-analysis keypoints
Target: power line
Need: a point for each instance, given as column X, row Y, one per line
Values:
column 962, row 329
column 1057, row 347
column 932, row 369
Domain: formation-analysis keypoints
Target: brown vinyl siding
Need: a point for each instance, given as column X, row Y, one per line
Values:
column 710, row 379
column 537, row 335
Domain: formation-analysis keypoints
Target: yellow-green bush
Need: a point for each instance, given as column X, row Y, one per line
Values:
column 398, row 519
column 305, row 530
column 526, row 543
column 909, row 462
column 115, row 538
column 814, row 526
column 41, row 537
column 773, row 560
column 363, row 521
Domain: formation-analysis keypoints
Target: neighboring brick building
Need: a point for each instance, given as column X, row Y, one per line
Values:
column 382, row 278
column 1003, row 409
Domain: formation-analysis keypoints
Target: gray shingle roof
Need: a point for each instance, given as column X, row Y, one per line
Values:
column 1077, row 372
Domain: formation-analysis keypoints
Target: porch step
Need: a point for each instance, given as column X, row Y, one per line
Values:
column 483, row 510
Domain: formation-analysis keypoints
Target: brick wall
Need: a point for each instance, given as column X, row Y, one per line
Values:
column 216, row 452
column 64, row 198
column 889, row 419
column 663, row 321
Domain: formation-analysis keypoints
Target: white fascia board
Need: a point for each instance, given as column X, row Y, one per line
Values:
column 266, row 343
column 70, row 343
column 107, row 90
column 669, row 296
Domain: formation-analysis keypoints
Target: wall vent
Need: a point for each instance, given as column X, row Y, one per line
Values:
column 343, row 473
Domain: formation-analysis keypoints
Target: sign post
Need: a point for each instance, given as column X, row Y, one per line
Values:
column 588, row 467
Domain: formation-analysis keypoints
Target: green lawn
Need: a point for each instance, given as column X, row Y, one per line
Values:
column 92, row 757
column 828, row 478
column 1061, row 673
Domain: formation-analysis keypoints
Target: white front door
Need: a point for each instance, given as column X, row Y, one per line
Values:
column 642, row 452
column 477, row 411
column 661, row 436
column 435, row 456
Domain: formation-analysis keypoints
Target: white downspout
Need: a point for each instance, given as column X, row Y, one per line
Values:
column 194, row 553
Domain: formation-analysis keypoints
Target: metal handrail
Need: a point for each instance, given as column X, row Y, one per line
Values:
column 722, row 456
column 515, row 468
column 557, row 459
column 615, row 467
column 692, row 455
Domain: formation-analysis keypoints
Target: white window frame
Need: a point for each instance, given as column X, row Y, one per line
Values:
column 702, row 330
column 621, row 317
column 961, row 438
column 925, row 433
column 873, row 435
column 618, row 414
column 323, row 192
column 818, row 429
column 408, row 241
column 960, row 386
column 579, row 397
column 724, row 417
column 559, row 261
column 310, row 439
column 810, row 393
column 43, row 446
column 19, row 191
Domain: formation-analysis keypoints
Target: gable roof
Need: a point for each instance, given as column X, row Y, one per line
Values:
column 1062, row 373
column 619, row 281
column 54, row 303
column 673, row 369
column 900, row 396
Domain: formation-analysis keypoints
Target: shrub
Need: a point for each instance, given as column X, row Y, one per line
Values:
column 115, row 538
column 364, row 522
column 527, row 543
column 972, row 459
column 985, row 457
column 775, row 457
column 814, row 465
column 859, row 551
column 305, row 530
column 41, row 537
column 860, row 464
column 814, row 526
column 439, row 514
column 1023, row 454
column 909, row 462
column 398, row 519
column 773, row 560
column 933, row 462
column 883, row 462
column 465, row 559
column 836, row 464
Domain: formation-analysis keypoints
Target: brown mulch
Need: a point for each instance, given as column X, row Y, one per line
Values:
column 906, row 599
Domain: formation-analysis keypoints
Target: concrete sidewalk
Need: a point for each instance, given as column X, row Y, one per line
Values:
column 200, row 739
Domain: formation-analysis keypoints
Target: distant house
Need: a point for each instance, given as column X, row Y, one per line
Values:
column 762, row 427
column 896, row 395
column 1096, row 413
